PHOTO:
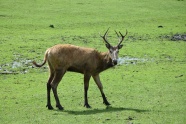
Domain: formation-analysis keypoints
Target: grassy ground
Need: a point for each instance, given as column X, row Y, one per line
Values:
column 148, row 91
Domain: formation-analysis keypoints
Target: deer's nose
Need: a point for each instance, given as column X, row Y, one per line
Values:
column 115, row 62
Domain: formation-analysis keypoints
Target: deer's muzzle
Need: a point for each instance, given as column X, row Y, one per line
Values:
column 115, row 62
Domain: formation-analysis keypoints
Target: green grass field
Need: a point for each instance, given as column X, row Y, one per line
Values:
column 149, row 88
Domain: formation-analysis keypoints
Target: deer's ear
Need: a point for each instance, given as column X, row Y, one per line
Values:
column 120, row 46
column 108, row 46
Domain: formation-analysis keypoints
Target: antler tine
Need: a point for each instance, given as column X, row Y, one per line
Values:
column 117, row 35
column 125, row 34
column 104, row 36
column 122, row 37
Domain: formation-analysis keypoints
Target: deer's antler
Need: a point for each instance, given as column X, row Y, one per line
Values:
column 104, row 37
column 122, row 37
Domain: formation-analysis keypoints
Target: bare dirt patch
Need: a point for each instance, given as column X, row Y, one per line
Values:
column 174, row 37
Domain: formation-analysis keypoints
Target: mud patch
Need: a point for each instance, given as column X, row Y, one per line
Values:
column 136, row 37
column 178, row 37
column 175, row 37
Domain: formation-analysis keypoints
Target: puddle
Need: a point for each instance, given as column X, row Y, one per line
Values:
column 16, row 64
column 16, row 67
column 131, row 60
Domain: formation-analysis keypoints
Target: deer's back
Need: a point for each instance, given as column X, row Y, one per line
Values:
column 72, row 58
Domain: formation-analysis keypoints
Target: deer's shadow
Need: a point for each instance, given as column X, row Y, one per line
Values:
column 106, row 110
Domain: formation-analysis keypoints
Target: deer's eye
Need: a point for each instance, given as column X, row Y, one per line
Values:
column 110, row 51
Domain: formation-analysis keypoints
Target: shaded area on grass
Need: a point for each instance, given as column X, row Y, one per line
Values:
column 96, row 111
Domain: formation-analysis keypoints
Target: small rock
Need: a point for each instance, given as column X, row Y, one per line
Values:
column 130, row 118
column 52, row 26
column 160, row 26
column 178, row 76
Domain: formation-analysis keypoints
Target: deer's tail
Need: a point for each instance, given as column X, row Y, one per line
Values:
column 44, row 61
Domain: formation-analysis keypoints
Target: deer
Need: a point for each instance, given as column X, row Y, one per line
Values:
column 88, row 61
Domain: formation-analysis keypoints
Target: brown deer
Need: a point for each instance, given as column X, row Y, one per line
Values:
column 88, row 61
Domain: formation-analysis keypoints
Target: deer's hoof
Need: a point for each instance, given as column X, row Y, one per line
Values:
column 106, row 103
column 59, row 107
column 87, row 105
column 49, row 107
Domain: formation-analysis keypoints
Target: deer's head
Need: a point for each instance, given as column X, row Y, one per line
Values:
column 114, row 50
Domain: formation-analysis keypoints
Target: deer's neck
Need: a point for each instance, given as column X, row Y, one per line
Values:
column 105, row 62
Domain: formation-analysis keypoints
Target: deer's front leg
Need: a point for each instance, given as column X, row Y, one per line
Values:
column 86, row 86
column 99, row 84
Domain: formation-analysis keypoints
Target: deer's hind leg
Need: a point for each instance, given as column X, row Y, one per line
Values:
column 86, row 86
column 49, row 88
column 57, row 78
